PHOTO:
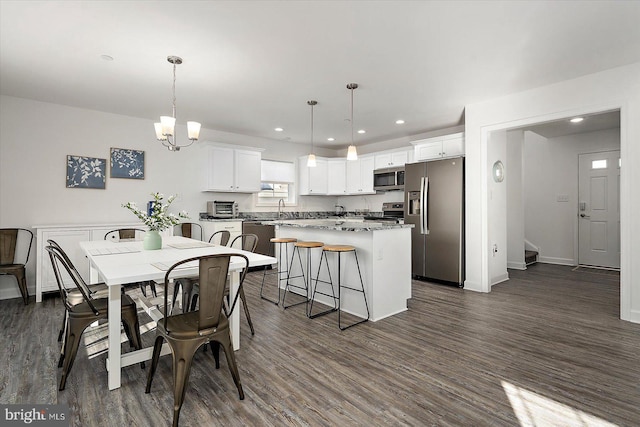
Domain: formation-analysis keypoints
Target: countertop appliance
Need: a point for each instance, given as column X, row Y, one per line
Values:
column 222, row 209
column 388, row 179
column 434, row 203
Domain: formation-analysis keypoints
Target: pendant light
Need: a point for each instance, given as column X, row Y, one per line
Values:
column 165, row 130
column 311, row 160
column 352, row 153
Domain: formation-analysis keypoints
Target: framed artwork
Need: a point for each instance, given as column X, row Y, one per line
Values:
column 86, row 172
column 127, row 163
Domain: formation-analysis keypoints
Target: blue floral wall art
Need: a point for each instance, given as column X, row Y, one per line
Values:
column 86, row 172
column 127, row 163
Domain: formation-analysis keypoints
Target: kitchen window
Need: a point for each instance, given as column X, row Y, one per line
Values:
column 277, row 182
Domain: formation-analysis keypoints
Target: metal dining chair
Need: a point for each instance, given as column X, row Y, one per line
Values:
column 81, row 315
column 11, row 261
column 186, row 332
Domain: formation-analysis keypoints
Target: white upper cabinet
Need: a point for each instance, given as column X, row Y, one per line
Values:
column 439, row 147
column 247, row 171
column 337, row 177
column 360, row 175
column 313, row 181
column 233, row 170
column 391, row 159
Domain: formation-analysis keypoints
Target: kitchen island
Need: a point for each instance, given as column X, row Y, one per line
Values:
column 384, row 253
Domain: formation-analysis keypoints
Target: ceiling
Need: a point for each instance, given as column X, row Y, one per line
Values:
column 251, row 66
column 590, row 123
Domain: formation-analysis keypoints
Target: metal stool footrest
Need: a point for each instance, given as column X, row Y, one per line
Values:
column 281, row 274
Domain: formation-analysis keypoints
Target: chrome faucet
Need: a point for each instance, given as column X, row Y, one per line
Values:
column 280, row 206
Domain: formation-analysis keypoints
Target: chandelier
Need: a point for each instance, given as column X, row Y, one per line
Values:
column 352, row 153
column 165, row 130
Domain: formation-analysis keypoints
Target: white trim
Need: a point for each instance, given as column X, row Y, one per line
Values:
column 558, row 261
column 499, row 279
column 516, row 265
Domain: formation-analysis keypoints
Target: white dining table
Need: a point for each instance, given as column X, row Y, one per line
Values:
column 123, row 262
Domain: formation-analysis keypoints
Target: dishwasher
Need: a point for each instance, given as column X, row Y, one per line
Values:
column 264, row 232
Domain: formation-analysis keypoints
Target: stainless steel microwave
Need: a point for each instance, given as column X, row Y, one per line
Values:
column 388, row 179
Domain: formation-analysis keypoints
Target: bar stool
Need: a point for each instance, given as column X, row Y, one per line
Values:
column 339, row 249
column 279, row 242
column 297, row 246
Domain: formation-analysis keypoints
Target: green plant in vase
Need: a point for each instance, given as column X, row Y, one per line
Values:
column 157, row 220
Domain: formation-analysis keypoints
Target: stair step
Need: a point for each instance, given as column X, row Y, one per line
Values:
column 530, row 257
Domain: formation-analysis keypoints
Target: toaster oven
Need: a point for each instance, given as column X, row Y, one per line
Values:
column 222, row 209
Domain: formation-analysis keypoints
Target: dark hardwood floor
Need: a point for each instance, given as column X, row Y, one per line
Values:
column 545, row 348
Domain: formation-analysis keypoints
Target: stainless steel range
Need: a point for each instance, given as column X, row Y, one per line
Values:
column 391, row 211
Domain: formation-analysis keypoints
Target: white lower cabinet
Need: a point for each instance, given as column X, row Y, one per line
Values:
column 209, row 227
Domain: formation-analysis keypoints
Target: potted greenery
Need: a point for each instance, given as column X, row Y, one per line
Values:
column 157, row 219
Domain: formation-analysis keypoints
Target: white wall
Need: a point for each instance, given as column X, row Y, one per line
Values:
column 551, row 170
column 618, row 88
column 36, row 137
column 515, row 201
column 496, row 207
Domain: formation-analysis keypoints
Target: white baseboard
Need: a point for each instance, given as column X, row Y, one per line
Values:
column 634, row 316
column 499, row 279
column 516, row 265
column 559, row 261
column 472, row 286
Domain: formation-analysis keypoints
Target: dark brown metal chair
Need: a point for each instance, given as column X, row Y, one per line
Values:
column 246, row 242
column 73, row 295
column 225, row 235
column 8, row 254
column 186, row 283
column 131, row 234
column 81, row 315
column 186, row 332
column 190, row 230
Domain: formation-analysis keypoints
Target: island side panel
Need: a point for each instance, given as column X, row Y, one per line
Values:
column 385, row 264
column 392, row 271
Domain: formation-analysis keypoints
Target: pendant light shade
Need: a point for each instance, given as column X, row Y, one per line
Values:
column 352, row 152
column 311, row 160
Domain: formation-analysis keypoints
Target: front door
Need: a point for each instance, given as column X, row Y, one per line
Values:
column 599, row 209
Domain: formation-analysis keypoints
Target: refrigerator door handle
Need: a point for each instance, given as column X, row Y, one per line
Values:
column 424, row 211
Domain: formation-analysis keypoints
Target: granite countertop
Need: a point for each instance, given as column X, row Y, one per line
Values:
column 339, row 224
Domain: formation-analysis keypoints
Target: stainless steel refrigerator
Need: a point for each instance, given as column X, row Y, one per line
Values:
column 434, row 204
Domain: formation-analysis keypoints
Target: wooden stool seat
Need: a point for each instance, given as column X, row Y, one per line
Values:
column 283, row 240
column 338, row 248
column 309, row 244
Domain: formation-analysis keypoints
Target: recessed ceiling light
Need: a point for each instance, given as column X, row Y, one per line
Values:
column 278, row 129
column 331, row 139
column 107, row 57
column 362, row 131
column 576, row 120
column 400, row 122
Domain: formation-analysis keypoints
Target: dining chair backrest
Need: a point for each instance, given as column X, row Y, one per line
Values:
column 212, row 272
column 122, row 234
column 10, row 243
column 191, row 230
column 58, row 258
column 224, row 236
column 247, row 242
